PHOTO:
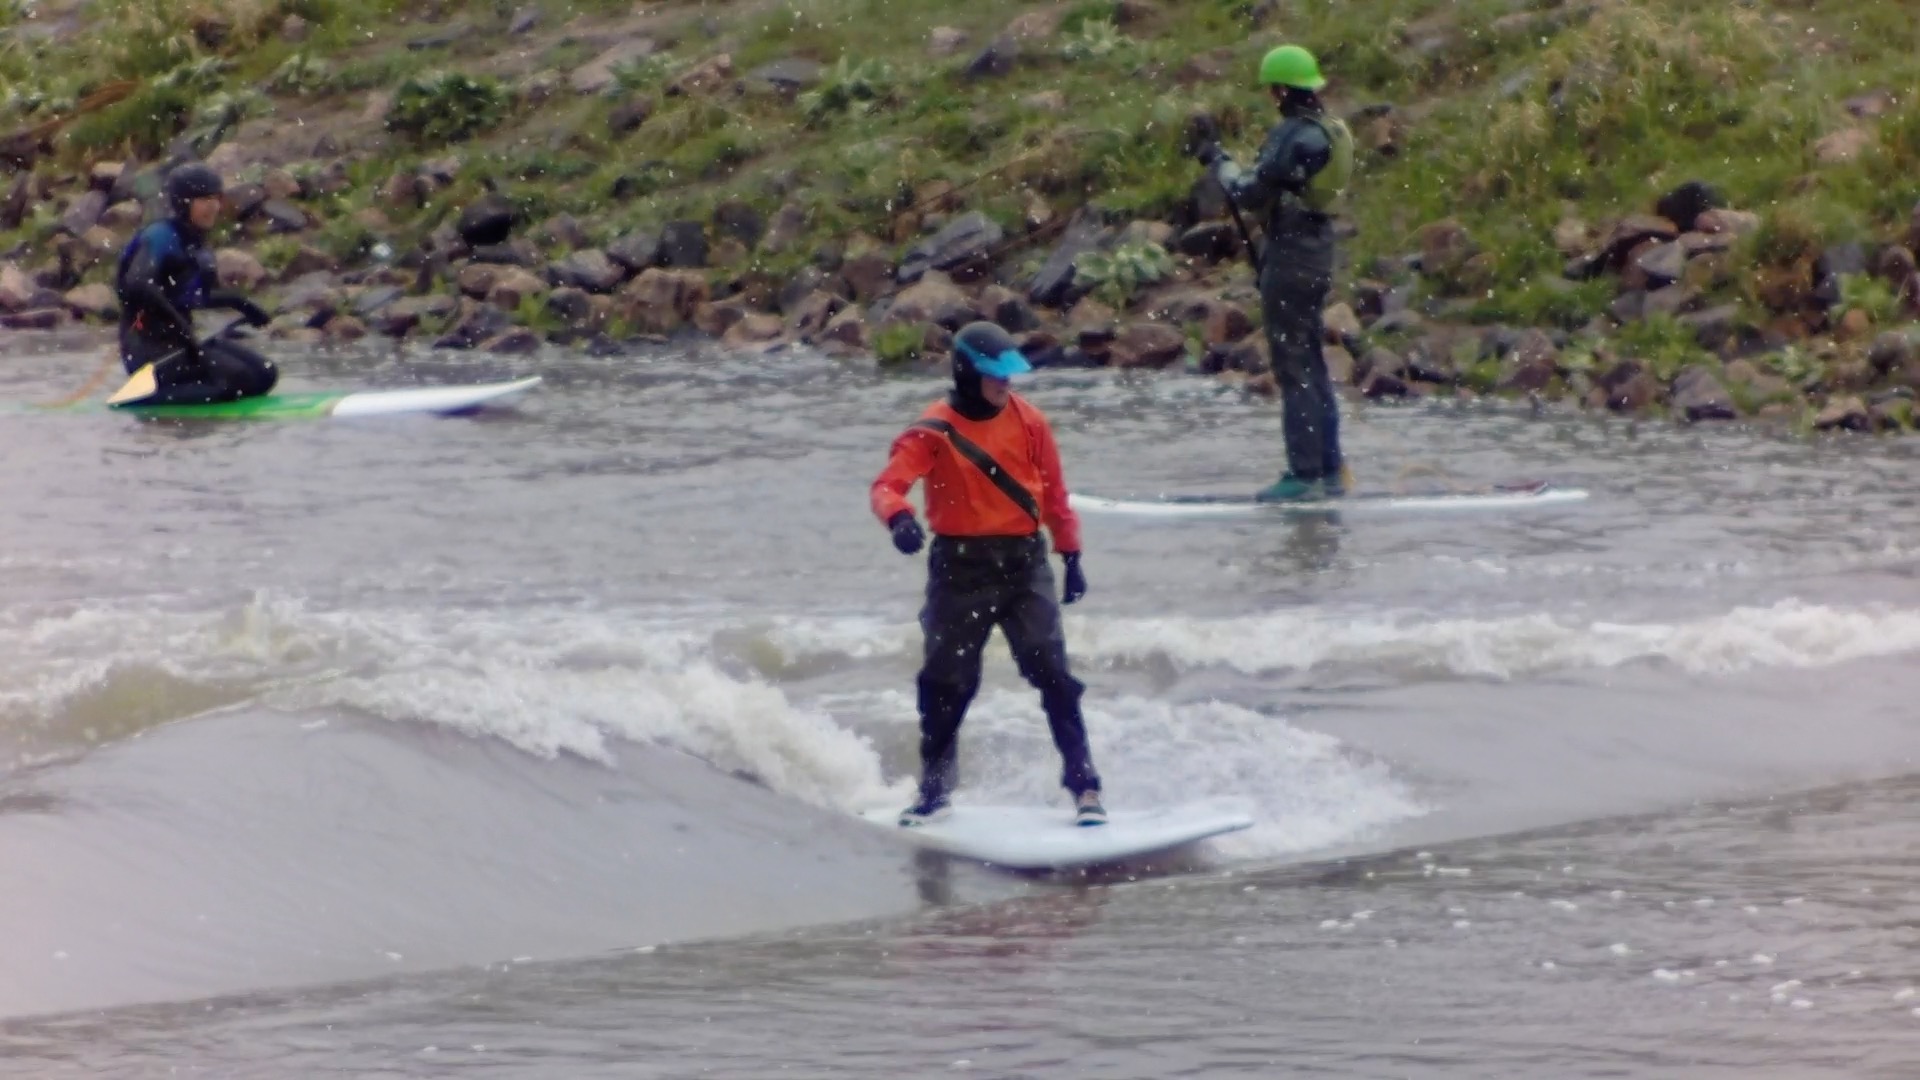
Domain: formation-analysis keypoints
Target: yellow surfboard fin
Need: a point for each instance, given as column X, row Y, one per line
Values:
column 139, row 386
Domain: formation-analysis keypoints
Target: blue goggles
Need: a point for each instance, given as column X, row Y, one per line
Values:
column 1004, row 366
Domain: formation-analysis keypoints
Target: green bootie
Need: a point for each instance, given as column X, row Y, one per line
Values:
column 1291, row 488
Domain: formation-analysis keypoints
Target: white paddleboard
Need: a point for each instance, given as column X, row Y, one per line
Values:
column 1514, row 498
column 1046, row 838
column 432, row 399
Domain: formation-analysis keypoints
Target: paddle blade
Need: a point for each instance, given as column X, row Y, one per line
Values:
column 140, row 386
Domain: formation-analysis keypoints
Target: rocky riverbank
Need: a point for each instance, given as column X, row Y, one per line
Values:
column 658, row 183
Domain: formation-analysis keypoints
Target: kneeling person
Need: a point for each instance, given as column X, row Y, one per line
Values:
column 993, row 478
column 166, row 274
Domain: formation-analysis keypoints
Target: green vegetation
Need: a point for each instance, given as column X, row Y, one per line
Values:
column 1508, row 118
column 1119, row 275
column 899, row 343
column 1664, row 344
column 446, row 107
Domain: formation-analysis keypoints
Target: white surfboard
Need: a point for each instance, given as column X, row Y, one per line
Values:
column 1517, row 497
column 444, row 400
column 1046, row 838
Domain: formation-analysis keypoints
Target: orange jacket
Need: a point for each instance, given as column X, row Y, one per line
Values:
column 961, row 500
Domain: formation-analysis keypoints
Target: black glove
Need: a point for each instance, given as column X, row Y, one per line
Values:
column 252, row 312
column 1076, row 581
column 1210, row 154
column 906, row 532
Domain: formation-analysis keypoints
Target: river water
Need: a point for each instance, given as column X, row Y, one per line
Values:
column 526, row 744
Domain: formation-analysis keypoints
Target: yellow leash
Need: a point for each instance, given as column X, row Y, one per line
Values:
column 99, row 379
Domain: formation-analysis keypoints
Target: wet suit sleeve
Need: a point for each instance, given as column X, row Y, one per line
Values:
column 1293, row 153
column 233, row 301
column 1055, row 512
column 144, row 284
column 912, row 457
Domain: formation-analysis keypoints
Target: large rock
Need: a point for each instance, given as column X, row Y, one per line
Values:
column 594, row 271
column 661, row 301
column 1445, row 247
column 962, row 250
column 474, row 323
column 1147, row 344
column 717, row 317
column 513, row 341
column 945, row 40
column 1531, row 364
column 628, row 116
column 597, row 75
column 50, row 318
column 1731, row 222
column 704, row 77
column 738, row 219
column 636, row 251
column 789, row 224
column 1209, row 240
column 1628, row 386
column 1698, row 394
column 564, row 230
column 994, row 61
column 487, row 221
column 93, row 301
column 934, row 298
column 1891, row 351
column 305, row 260
column 1054, row 285
column 867, row 276
column 1661, row 263
column 1845, row 146
column 1225, row 322
column 756, row 328
column 1009, row 309
column 239, row 269
column 284, row 217
column 84, row 213
column 845, row 332
column 683, row 244
column 810, row 315
column 1844, row 413
column 17, row 290
column 570, row 305
column 1629, row 233
column 514, row 286
column 1684, row 204
column 477, row 279
column 785, row 77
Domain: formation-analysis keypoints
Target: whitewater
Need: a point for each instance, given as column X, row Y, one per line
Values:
column 534, row 740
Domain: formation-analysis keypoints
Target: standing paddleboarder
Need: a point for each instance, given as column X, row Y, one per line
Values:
column 1302, row 172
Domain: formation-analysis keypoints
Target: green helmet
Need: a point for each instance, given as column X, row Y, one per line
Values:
column 1291, row 65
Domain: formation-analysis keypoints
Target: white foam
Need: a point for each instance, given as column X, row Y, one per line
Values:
column 577, row 680
column 1787, row 634
column 1305, row 789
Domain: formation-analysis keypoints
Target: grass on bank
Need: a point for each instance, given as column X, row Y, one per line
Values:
column 1506, row 118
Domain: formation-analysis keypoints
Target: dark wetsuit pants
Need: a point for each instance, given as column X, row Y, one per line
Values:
column 1296, row 275
column 226, row 370
column 973, row 585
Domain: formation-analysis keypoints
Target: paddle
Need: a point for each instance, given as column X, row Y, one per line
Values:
column 143, row 384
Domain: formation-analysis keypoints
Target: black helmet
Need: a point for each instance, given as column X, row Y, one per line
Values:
column 982, row 349
column 190, row 182
column 988, row 350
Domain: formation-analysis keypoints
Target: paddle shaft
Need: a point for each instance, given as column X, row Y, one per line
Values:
column 1253, row 253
